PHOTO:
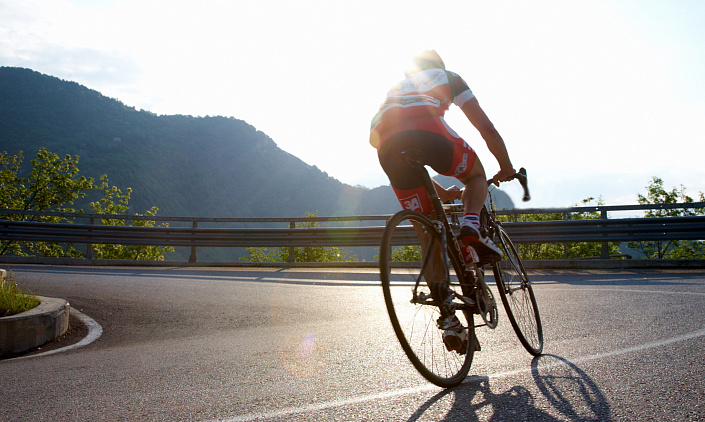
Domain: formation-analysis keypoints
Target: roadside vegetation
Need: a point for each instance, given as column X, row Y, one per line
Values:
column 13, row 299
column 670, row 249
column 529, row 251
column 53, row 184
column 301, row 254
column 655, row 194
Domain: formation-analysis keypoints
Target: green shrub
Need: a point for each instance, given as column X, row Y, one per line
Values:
column 13, row 300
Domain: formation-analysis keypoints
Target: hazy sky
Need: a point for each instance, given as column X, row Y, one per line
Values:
column 592, row 97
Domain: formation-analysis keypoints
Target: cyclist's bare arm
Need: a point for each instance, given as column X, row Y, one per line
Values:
column 476, row 115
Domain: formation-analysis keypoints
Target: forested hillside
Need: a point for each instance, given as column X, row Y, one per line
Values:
column 186, row 166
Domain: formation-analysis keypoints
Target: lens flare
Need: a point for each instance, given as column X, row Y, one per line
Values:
column 301, row 355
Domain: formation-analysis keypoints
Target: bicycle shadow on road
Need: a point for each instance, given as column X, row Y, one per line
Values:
column 569, row 391
column 475, row 401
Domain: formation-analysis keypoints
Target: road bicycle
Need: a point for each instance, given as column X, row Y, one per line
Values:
column 426, row 281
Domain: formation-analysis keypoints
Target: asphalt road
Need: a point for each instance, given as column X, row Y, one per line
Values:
column 317, row 345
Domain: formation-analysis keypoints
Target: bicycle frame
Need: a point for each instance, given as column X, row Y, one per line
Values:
column 439, row 341
column 449, row 244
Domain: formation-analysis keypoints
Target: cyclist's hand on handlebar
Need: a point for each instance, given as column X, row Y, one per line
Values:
column 450, row 194
column 503, row 175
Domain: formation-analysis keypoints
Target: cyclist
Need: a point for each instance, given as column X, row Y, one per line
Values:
column 411, row 118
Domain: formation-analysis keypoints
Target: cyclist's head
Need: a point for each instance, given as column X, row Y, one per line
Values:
column 427, row 59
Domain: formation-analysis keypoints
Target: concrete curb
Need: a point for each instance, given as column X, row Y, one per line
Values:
column 33, row 328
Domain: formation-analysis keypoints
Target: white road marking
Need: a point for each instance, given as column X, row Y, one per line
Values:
column 429, row 387
column 95, row 330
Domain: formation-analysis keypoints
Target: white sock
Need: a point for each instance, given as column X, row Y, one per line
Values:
column 472, row 218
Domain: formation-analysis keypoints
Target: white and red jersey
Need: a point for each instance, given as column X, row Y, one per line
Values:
column 419, row 103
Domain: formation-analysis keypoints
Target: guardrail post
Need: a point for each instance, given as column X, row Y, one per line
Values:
column 193, row 257
column 89, row 246
column 605, row 245
column 292, row 251
column 565, row 245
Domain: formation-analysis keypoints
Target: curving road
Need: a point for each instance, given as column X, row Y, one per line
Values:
column 316, row 345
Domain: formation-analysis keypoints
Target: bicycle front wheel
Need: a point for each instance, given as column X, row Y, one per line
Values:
column 410, row 262
column 518, row 296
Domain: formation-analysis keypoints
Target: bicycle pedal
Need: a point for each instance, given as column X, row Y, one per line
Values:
column 466, row 300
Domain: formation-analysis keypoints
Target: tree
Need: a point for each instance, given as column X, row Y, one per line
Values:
column 674, row 249
column 406, row 253
column 52, row 185
column 301, row 254
column 107, row 205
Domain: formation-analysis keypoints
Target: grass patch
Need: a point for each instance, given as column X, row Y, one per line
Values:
column 13, row 300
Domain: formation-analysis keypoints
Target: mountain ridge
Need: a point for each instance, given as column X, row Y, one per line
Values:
column 186, row 166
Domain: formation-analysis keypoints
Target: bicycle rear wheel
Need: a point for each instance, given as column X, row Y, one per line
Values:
column 405, row 263
column 518, row 296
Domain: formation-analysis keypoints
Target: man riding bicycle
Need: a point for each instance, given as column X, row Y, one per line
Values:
column 411, row 118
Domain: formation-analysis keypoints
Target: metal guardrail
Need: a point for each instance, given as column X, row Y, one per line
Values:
column 558, row 231
column 198, row 237
column 633, row 229
column 617, row 230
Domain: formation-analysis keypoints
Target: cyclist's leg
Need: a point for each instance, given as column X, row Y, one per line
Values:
column 408, row 184
column 435, row 270
column 468, row 169
column 414, row 314
column 436, row 151
column 449, row 155
column 465, row 166
column 475, row 193
column 474, row 197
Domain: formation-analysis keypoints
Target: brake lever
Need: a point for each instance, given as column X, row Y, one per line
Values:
column 523, row 180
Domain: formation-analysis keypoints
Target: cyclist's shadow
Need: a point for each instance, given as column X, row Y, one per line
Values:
column 569, row 391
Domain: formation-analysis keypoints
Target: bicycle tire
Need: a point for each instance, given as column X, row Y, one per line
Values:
column 518, row 296
column 415, row 324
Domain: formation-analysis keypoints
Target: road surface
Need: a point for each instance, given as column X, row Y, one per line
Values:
column 316, row 345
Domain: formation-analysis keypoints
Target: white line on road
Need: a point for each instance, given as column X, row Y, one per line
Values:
column 429, row 387
column 95, row 330
column 398, row 393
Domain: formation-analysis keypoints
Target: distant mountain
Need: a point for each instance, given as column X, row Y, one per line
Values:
column 186, row 166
